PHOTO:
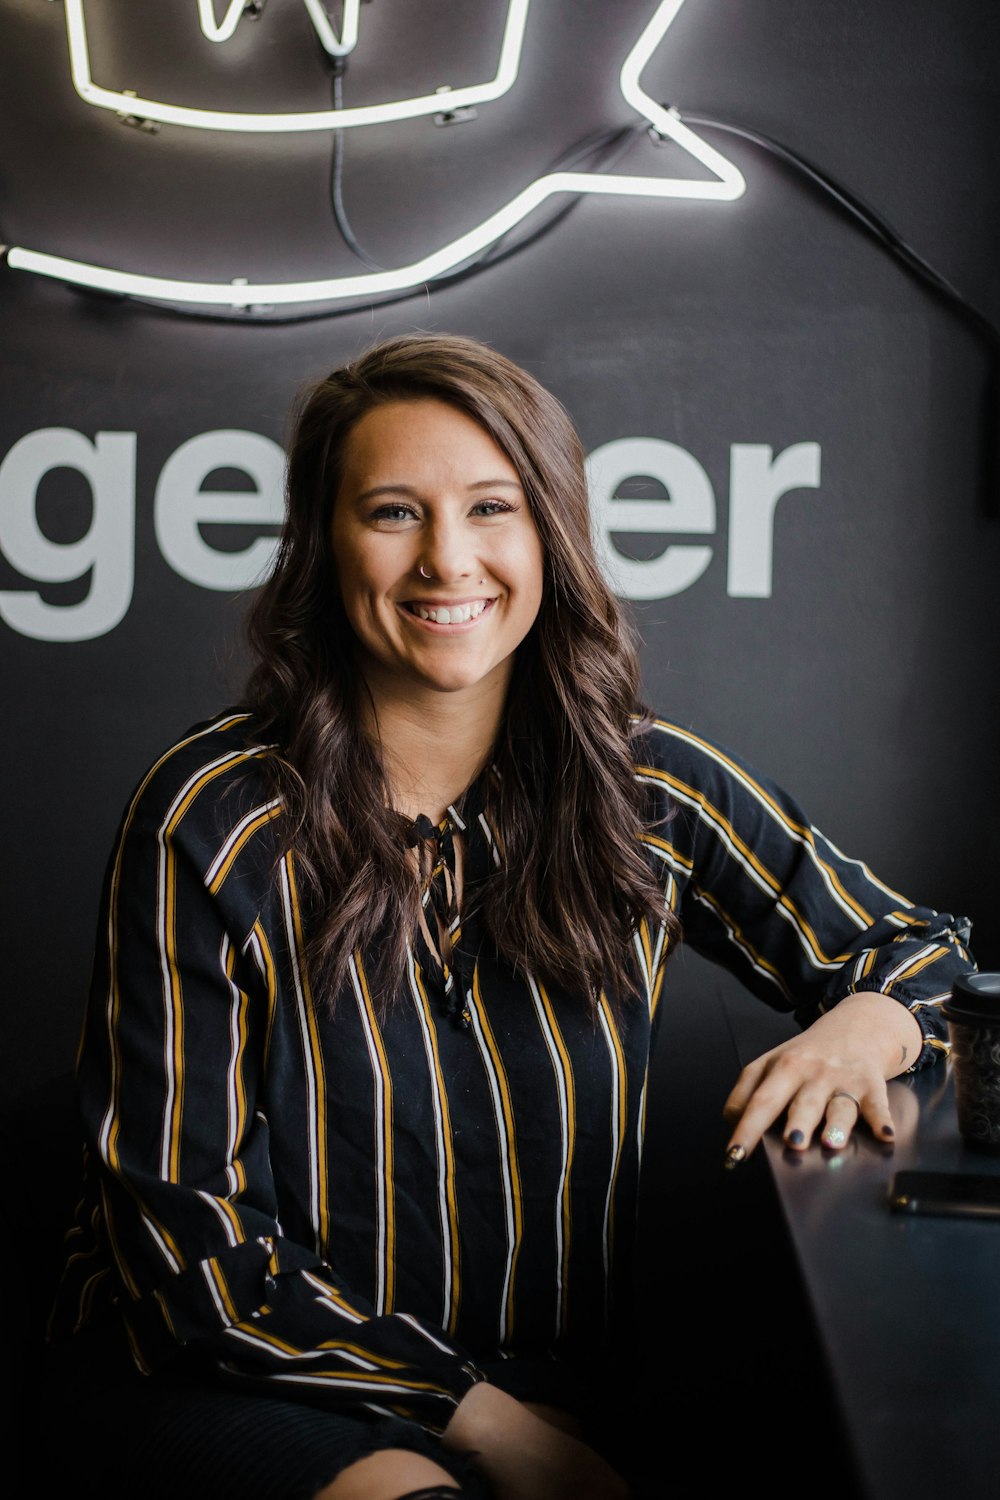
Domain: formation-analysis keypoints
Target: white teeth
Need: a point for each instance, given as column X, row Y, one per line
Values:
column 458, row 614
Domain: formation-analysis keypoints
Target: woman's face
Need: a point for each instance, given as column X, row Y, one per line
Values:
column 438, row 559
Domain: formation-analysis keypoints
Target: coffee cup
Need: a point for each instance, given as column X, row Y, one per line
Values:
column 973, row 1016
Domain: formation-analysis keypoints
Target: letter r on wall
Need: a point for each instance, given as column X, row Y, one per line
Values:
column 757, row 482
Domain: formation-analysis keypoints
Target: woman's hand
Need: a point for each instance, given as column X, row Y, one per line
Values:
column 829, row 1077
column 523, row 1455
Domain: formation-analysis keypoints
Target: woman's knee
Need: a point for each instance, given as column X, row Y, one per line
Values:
column 392, row 1474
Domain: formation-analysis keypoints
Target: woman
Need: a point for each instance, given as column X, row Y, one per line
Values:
column 382, row 952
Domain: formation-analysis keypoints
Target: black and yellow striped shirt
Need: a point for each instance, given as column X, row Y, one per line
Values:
column 366, row 1207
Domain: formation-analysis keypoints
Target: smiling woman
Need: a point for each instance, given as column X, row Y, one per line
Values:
column 379, row 974
column 437, row 556
column 433, row 471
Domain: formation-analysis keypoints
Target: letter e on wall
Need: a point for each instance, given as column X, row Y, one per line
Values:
column 181, row 506
column 690, row 509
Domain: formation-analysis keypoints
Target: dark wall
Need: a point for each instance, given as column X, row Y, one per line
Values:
column 865, row 679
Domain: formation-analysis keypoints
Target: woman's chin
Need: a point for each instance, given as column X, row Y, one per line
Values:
column 449, row 684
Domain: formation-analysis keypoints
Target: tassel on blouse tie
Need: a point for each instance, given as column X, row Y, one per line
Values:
column 438, row 859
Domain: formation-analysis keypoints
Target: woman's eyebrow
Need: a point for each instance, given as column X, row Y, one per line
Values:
column 387, row 489
column 414, row 494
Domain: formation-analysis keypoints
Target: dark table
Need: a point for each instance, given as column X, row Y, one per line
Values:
column 907, row 1308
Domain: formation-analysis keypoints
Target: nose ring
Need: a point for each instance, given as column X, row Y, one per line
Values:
column 423, row 571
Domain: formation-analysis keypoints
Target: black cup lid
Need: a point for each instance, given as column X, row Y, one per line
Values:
column 976, row 996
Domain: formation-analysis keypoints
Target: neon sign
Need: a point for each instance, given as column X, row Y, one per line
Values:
column 725, row 184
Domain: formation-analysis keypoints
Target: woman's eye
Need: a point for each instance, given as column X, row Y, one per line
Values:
column 391, row 513
column 493, row 508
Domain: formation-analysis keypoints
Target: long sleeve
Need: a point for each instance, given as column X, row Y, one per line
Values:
column 200, row 1026
column 764, row 893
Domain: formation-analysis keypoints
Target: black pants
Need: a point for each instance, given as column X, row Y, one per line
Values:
column 180, row 1436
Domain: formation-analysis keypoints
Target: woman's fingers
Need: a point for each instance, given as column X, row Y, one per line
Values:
column 875, row 1109
column 813, row 1096
column 826, row 1079
column 832, row 1111
column 744, row 1087
column 763, row 1092
column 842, row 1114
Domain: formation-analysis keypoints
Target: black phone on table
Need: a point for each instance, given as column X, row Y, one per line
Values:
column 967, row 1195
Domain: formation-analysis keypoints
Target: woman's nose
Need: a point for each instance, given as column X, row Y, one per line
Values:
column 447, row 553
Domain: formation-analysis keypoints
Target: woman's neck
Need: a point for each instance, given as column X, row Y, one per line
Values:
column 433, row 743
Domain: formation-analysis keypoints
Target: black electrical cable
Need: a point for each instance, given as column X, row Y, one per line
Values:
column 602, row 148
column 618, row 143
column 579, row 152
column 337, row 177
column 855, row 207
column 884, row 234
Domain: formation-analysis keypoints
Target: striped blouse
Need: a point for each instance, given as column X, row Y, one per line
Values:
column 374, row 1205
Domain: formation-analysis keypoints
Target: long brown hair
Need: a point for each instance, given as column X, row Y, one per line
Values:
column 566, row 808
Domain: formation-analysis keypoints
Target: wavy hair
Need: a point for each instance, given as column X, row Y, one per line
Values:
column 573, row 885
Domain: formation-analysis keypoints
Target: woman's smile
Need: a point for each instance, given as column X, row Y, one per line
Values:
column 438, row 559
column 453, row 614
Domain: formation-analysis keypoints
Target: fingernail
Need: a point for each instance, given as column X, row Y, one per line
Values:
column 795, row 1137
column 835, row 1136
column 888, row 1130
column 734, row 1156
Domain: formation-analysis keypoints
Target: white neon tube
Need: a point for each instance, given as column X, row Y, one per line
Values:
column 322, row 119
column 328, row 37
column 662, row 121
column 220, row 31
column 369, row 284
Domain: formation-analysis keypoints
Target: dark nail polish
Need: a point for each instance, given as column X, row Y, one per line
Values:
column 795, row 1137
column 734, row 1156
column 888, row 1130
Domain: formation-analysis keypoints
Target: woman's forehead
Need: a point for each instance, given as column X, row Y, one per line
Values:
column 421, row 437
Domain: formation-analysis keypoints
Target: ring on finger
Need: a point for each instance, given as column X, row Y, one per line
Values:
column 843, row 1094
column 836, row 1135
